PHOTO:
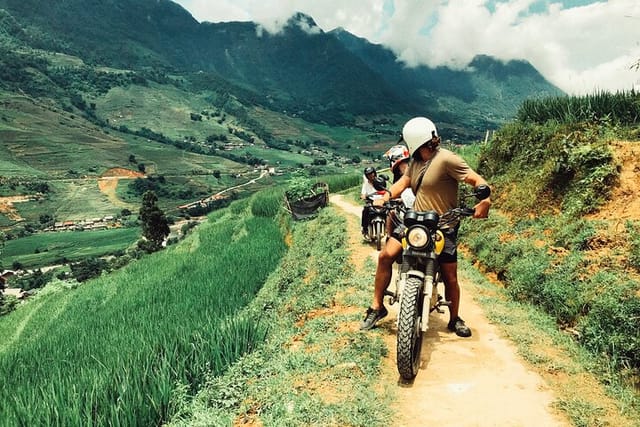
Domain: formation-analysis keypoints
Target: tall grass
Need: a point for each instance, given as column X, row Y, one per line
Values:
column 310, row 346
column 338, row 183
column 267, row 203
column 621, row 108
column 124, row 344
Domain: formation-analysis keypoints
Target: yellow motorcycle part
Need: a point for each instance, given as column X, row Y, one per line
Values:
column 439, row 240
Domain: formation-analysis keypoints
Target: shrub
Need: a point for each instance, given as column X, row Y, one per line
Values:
column 633, row 229
column 564, row 294
column 612, row 325
column 526, row 277
column 571, row 233
column 300, row 186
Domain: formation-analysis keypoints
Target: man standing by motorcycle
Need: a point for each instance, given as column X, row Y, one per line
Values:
column 433, row 174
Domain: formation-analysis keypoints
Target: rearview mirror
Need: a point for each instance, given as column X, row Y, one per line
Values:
column 380, row 183
column 482, row 192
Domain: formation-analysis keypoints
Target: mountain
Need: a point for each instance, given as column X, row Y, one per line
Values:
column 304, row 71
column 487, row 91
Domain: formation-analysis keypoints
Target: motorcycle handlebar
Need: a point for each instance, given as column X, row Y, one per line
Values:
column 452, row 217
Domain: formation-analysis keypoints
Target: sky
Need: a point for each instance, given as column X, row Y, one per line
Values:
column 581, row 46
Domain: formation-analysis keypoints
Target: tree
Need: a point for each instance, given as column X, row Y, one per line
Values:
column 88, row 268
column 3, row 238
column 155, row 226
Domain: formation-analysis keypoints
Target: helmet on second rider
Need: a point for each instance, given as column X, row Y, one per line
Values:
column 370, row 170
column 396, row 155
column 418, row 132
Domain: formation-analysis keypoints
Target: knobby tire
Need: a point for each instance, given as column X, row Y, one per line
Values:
column 409, row 332
column 378, row 235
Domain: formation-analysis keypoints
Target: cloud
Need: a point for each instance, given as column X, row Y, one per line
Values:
column 580, row 49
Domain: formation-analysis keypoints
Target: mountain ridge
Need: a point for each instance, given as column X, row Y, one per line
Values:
column 329, row 77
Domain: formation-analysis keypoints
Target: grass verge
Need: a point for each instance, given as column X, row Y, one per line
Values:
column 315, row 367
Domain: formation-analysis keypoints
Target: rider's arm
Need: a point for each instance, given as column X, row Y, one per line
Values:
column 397, row 188
column 363, row 191
column 482, row 207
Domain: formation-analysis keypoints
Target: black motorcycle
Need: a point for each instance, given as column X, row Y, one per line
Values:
column 376, row 228
column 418, row 277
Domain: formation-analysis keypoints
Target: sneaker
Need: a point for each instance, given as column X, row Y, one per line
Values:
column 372, row 317
column 457, row 325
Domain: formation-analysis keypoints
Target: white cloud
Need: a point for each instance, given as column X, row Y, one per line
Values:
column 579, row 49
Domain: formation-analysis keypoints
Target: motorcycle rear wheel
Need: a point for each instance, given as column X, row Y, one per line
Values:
column 409, row 332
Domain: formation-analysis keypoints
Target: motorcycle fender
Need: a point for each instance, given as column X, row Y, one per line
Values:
column 416, row 273
column 439, row 240
column 426, row 305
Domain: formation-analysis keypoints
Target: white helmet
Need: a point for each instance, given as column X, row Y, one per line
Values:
column 396, row 155
column 419, row 131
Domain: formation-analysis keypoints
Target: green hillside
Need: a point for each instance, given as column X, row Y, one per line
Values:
column 117, row 350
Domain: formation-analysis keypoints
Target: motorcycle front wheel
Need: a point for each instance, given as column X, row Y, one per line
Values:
column 409, row 332
column 379, row 232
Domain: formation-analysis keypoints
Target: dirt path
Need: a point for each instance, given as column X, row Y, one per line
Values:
column 108, row 184
column 477, row 381
column 7, row 206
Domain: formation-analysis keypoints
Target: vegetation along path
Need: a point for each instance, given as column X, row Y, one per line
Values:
column 477, row 381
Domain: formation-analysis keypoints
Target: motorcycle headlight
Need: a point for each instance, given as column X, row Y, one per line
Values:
column 418, row 237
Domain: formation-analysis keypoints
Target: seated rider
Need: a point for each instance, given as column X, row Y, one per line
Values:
column 368, row 190
column 399, row 157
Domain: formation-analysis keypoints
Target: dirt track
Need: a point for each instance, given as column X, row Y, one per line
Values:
column 476, row 381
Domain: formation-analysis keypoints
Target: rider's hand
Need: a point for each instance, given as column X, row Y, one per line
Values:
column 378, row 202
column 482, row 208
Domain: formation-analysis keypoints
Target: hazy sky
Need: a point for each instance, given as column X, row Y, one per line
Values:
column 581, row 46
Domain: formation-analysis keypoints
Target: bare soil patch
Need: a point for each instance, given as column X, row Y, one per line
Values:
column 108, row 183
column 624, row 203
column 8, row 209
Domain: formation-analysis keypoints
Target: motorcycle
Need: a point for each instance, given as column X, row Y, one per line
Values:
column 376, row 229
column 418, row 276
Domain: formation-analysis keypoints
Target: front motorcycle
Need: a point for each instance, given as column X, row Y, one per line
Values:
column 418, row 277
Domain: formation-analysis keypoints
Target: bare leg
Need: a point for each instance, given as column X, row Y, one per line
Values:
column 452, row 293
column 384, row 270
column 452, row 288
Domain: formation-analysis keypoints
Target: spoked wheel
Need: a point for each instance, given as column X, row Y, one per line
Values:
column 378, row 235
column 409, row 332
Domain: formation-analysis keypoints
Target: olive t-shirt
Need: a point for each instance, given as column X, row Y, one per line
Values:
column 439, row 188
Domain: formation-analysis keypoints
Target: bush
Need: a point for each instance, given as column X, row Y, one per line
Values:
column 526, row 277
column 633, row 229
column 88, row 269
column 571, row 233
column 612, row 325
column 34, row 280
column 8, row 303
column 300, row 186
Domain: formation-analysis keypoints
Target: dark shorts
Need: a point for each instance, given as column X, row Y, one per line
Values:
column 449, row 252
